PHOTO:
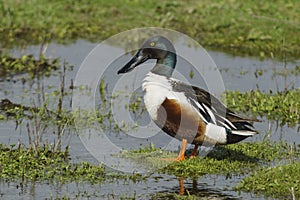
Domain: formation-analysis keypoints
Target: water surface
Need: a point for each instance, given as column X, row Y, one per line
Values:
column 238, row 73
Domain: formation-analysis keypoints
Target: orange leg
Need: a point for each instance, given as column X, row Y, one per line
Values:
column 181, row 186
column 182, row 151
column 195, row 150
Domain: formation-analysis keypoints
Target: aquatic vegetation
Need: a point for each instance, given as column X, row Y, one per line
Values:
column 244, row 26
column 287, row 72
column 135, row 106
column 279, row 181
column 45, row 164
column 41, row 114
column 283, row 106
column 229, row 160
column 27, row 64
column 234, row 160
column 175, row 196
column 264, row 29
column 19, row 111
column 149, row 158
column 200, row 195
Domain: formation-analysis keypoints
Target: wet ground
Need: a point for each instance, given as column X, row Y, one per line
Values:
column 238, row 73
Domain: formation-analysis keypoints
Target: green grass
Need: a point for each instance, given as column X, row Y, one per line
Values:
column 247, row 27
column 282, row 106
column 44, row 164
column 175, row 196
column 235, row 159
column 230, row 160
column 27, row 64
column 274, row 181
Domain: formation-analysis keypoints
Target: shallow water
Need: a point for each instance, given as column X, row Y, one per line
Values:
column 238, row 73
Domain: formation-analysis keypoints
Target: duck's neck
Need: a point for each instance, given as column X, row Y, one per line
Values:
column 165, row 66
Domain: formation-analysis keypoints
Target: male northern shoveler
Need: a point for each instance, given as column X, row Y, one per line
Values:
column 183, row 111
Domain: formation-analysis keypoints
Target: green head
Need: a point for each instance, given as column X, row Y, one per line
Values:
column 159, row 48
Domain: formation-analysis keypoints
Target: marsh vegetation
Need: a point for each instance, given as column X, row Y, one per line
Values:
column 37, row 87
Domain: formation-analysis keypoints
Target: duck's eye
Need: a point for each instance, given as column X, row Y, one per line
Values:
column 152, row 44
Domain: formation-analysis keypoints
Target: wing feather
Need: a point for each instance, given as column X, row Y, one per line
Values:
column 212, row 109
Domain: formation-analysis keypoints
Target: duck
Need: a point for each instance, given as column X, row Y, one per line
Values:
column 186, row 112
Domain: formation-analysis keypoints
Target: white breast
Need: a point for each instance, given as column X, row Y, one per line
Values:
column 157, row 88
